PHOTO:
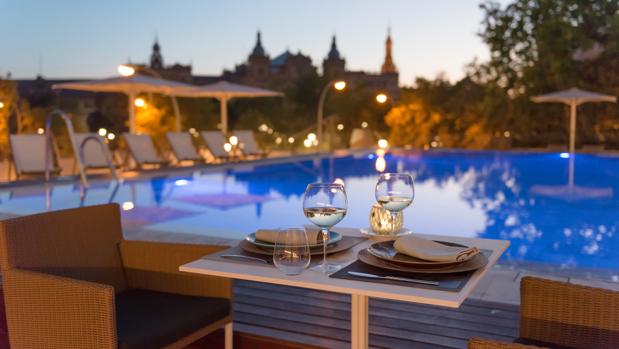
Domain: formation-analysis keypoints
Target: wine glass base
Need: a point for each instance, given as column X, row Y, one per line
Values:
column 329, row 268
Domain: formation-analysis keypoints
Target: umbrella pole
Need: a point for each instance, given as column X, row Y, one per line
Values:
column 224, row 114
column 570, row 175
column 131, row 113
column 177, row 113
column 573, row 106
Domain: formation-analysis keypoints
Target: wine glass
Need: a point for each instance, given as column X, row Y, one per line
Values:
column 394, row 192
column 324, row 204
column 291, row 254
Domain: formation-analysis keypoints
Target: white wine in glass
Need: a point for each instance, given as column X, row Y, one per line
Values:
column 395, row 192
column 324, row 204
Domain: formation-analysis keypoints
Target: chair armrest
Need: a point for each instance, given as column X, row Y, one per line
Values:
column 154, row 266
column 482, row 343
column 49, row 311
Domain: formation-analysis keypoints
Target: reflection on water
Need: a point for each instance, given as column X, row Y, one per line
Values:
column 555, row 210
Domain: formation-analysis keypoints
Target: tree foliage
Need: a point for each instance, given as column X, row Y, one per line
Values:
column 536, row 46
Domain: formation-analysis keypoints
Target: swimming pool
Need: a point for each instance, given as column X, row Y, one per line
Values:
column 527, row 198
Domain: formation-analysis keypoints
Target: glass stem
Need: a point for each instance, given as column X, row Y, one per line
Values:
column 393, row 215
column 325, row 240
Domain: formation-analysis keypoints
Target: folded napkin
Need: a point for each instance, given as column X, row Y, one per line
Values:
column 429, row 250
column 270, row 235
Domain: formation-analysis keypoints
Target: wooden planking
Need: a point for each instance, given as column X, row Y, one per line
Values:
column 325, row 317
column 471, row 306
column 442, row 314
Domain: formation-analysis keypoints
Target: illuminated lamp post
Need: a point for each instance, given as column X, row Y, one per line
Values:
column 338, row 85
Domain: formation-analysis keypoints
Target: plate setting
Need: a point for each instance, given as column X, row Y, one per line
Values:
column 251, row 238
column 385, row 250
column 383, row 255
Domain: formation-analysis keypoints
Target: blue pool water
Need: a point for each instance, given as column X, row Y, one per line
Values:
column 524, row 197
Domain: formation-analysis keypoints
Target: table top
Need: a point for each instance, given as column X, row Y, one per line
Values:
column 319, row 281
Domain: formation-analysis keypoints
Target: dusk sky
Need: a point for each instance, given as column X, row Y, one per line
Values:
column 78, row 39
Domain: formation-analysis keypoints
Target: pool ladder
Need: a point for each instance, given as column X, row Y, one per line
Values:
column 78, row 150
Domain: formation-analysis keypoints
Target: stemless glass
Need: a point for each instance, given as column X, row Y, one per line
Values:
column 291, row 254
column 394, row 192
column 324, row 204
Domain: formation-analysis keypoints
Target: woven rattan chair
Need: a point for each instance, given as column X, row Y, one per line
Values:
column 71, row 281
column 561, row 315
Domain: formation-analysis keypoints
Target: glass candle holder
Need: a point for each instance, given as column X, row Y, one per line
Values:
column 381, row 220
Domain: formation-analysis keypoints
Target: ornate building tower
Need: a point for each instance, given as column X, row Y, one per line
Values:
column 388, row 66
column 334, row 65
column 156, row 59
column 258, row 62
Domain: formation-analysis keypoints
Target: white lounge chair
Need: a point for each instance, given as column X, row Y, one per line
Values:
column 215, row 141
column 28, row 155
column 362, row 139
column 143, row 151
column 248, row 144
column 95, row 156
column 183, row 147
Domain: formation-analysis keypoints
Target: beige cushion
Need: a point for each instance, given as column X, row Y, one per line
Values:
column 182, row 146
column 143, row 149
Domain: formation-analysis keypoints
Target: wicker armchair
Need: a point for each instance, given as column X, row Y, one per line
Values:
column 557, row 314
column 71, row 281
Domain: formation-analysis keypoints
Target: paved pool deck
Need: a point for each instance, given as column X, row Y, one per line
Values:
column 501, row 285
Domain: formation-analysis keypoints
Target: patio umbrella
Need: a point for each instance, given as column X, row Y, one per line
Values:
column 131, row 86
column 573, row 97
column 224, row 91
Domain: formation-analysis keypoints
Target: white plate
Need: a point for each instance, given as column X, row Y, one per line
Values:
column 251, row 238
column 369, row 232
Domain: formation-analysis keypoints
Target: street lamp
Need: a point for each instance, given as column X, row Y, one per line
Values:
column 381, row 98
column 126, row 70
column 130, row 69
column 139, row 102
column 338, row 85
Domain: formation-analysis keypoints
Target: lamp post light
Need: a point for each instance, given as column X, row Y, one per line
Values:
column 381, row 98
column 130, row 69
column 338, row 85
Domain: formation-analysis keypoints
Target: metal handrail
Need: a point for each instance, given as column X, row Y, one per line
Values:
column 48, row 144
column 79, row 150
column 104, row 149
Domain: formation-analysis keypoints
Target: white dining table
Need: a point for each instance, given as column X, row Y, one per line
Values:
column 359, row 290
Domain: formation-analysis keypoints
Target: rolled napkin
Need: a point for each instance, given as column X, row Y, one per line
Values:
column 270, row 235
column 429, row 250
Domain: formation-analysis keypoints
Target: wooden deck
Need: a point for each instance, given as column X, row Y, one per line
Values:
column 322, row 319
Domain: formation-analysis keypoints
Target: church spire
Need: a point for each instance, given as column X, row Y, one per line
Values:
column 258, row 49
column 388, row 66
column 333, row 53
column 156, row 59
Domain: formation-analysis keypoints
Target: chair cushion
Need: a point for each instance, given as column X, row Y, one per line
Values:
column 149, row 319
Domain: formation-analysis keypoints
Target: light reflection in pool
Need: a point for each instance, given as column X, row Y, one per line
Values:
column 530, row 199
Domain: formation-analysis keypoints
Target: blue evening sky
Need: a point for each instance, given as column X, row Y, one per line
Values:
column 78, row 38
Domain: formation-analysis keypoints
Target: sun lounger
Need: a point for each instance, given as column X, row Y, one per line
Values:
column 183, row 147
column 28, row 155
column 95, row 156
column 554, row 147
column 362, row 139
column 248, row 144
column 143, row 151
column 215, row 141
column 592, row 148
